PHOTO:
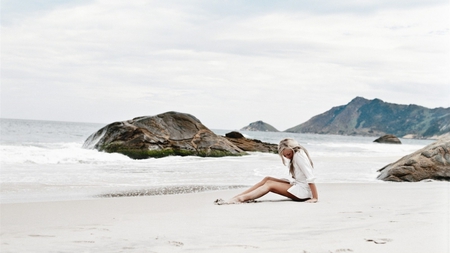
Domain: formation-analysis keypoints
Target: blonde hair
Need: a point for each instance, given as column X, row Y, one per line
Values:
column 295, row 147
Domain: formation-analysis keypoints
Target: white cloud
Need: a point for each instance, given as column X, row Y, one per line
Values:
column 103, row 61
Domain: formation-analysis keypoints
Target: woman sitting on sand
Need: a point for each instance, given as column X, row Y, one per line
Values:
column 300, row 187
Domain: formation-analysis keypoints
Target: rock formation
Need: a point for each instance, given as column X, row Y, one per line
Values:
column 250, row 144
column 430, row 162
column 376, row 118
column 259, row 126
column 388, row 138
column 170, row 133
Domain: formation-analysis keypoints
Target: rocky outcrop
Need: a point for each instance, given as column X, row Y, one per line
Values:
column 388, row 138
column 430, row 162
column 170, row 133
column 250, row 144
column 259, row 126
column 376, row 118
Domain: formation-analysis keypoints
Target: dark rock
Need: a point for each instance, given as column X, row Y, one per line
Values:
column 250, row 144
column 170, row 133
column 388, row 138
column 234, row 135
column 430, row 162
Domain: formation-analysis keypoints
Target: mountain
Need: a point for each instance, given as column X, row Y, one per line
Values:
column 259, row 126
column 375, row 117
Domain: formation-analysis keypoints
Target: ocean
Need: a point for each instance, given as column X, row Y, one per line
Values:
column 45, row 161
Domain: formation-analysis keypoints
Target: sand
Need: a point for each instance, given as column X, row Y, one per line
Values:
column 374, row 217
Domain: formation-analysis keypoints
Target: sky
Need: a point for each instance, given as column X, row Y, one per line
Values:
column 228, row 63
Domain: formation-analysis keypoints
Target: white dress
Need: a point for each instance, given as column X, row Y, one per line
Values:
column 304, row 175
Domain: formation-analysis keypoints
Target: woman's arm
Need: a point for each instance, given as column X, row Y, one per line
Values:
column 315, row 194
column 302, row 163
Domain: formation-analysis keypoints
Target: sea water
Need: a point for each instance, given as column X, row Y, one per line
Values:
column 45, row 161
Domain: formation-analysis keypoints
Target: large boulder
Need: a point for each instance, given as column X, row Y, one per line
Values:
column 250, row 144
column 388, row 138
column 430, row 162
column 169, row 133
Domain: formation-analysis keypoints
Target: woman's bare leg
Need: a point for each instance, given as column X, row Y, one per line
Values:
column 269, row 186
column 259, row 184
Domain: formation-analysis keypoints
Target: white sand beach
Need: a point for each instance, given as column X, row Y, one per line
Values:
column 372, row 217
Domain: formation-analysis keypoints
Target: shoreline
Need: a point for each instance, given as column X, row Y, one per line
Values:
column 349, row 217
column 326, row 171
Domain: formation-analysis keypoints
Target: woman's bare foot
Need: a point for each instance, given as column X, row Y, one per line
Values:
column 229, row 202
column 234, row 201
column 219, row 202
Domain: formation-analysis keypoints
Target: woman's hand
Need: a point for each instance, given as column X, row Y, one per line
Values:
column 313, row 200
column 314, row 195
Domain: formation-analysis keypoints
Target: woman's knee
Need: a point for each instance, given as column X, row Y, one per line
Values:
column 266, row 179
column 275, row 186
column 270, row 184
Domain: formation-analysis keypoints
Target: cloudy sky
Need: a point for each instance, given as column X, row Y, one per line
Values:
column 229, row 63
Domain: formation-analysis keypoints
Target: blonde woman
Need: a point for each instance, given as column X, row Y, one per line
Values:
column 300, row 187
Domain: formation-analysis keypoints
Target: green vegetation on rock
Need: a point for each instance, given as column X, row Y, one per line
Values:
column 144, row 154
column 166, row 134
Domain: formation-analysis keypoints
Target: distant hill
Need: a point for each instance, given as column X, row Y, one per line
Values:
column 375, row 117
column 259, row 126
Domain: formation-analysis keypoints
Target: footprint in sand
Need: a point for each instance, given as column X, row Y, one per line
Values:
column 41, row 235
column 175, row 243
column 379, row 241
